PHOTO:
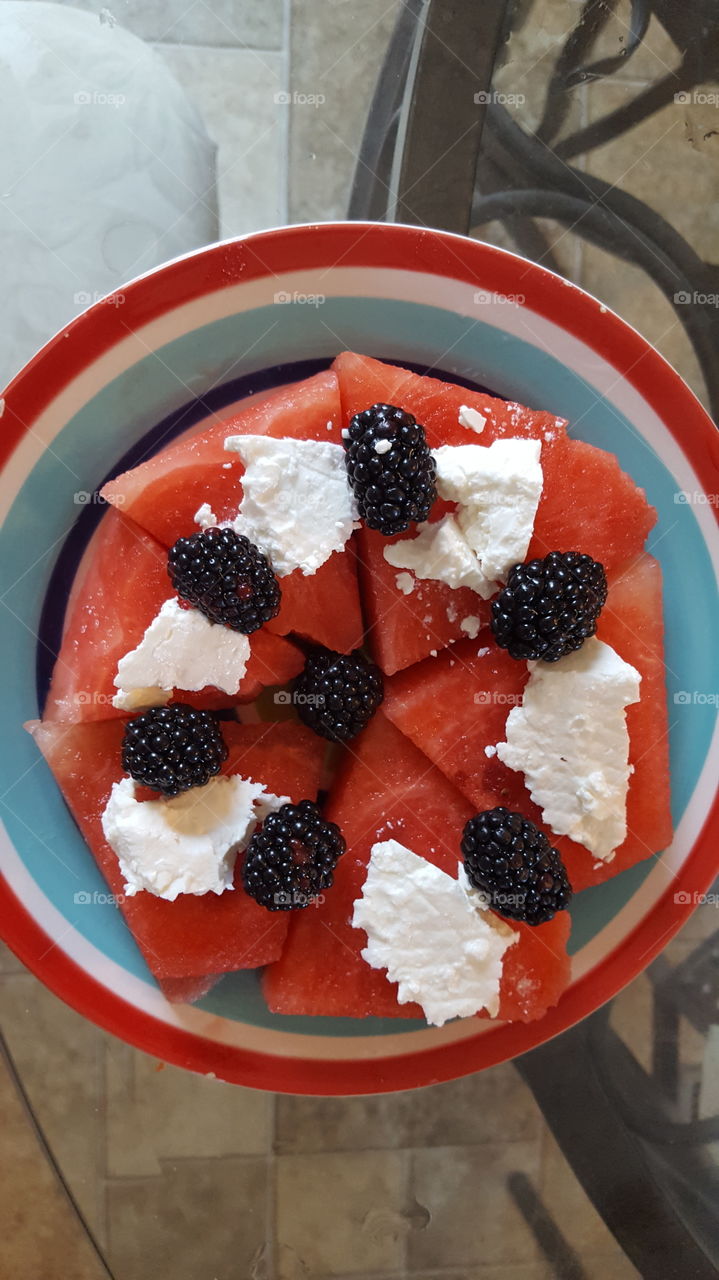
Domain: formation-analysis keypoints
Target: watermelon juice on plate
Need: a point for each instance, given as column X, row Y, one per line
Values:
column 359, row 697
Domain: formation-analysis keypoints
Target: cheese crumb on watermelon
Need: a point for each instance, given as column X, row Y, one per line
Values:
column 587, row 502
column 165, row 494
column 386, row 790
column 194, row 935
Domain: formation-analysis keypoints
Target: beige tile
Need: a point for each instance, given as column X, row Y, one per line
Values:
column 491, row 1106
column 527, row 60
column 631, row 1018
column 342, row 1124
column 629, row 292
column 570, row 1207
column 341, row 1214
column 41, row 1235
column 212, row 22
column 235, row 91
column 656, row 56
column 664, row 144
column 609, row 1266
column 201, row 1220
column 57, row 1053
column 480, row 1108
column 158, row 1115
column 473, row 1219
column 9, row 962
column 336, row 52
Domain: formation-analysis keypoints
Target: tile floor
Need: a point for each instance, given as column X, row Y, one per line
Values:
column 181, row 1176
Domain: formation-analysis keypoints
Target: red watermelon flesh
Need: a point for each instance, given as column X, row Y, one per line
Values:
column 118, row 591
column 587, row 503
column 187, row 990
column 191, row 936
column 387, row 789
column 456, row 704
column 163, row 494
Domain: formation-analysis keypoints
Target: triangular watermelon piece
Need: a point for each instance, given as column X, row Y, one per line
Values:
column 163, row 494
column 455, row 705
column 387, row 789
column 192, row 936
column 118, row 591
column 588, row 503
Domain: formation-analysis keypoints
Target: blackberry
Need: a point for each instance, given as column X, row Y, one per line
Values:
column 337, row 694
column 292, row 858
column 390, row 468
column 173, row 748
column 514, row 864
column 224, row 575
column 549, row 607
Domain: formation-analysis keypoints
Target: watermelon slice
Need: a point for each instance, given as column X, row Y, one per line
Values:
column 187, row 990
column 163, row 494
column 191, row 936
column 587, row 504
column 387, row 789
column 120, row 587
column 455, row 705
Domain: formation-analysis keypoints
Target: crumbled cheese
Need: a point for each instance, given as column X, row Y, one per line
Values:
column 482, row 653
column 490, row 751
column 187, row 844
column 205, row 516
column 382, row 446
column 440, row 551
column 405, row 583
column 181, row 649
column 498, row 490
column 433, row 934
column 297, row 503
column 328, row 425
column 570, row 739
column 472, row 419
column 471, row 625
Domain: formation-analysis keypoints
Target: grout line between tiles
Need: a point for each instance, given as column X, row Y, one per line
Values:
column 173, row 1162
column 215, row 48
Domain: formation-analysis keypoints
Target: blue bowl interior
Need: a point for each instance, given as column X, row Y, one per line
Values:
column 47, row 530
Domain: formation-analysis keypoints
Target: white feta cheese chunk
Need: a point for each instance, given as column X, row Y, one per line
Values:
column 405, row 583
column 472, row 419
column 382, row 446
column 187, row 844
column 470, row 626
column 570, row 739
column 181, row 649
column 440, row 551
column 433, row 934
column 297, row 503
column 498, row 488
column 205, row 516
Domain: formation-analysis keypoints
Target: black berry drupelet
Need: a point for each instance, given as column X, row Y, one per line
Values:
column 549, row 607
column 337, row 694
column 514, row 864
column 173, row 748
column 390, row 468
column 292, row 858
column 224, row 575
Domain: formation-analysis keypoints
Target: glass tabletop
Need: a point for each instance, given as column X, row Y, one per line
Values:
column 581, row 136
